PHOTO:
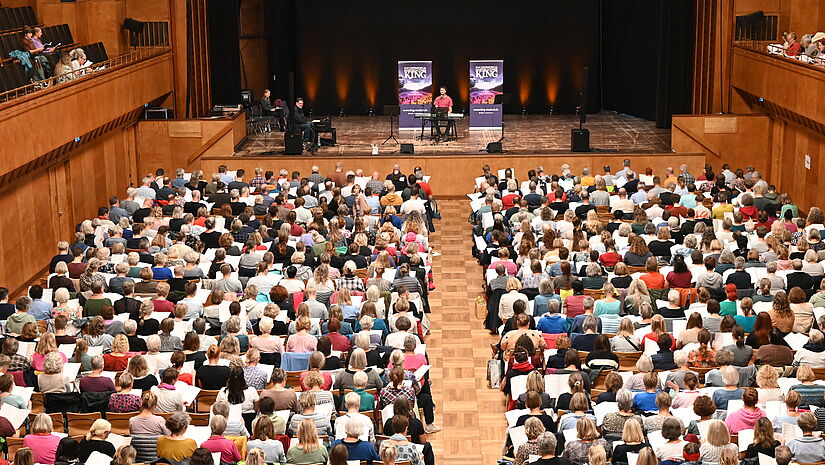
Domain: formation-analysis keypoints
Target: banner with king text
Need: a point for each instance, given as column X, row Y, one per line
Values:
column 415, row 91
column 486, row 81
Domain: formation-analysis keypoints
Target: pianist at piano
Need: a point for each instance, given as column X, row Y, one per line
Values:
column 301, row 122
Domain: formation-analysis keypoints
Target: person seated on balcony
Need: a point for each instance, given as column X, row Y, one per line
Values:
column 63, row 70
column 79, row 60
column 31, row 43
column 793, row 48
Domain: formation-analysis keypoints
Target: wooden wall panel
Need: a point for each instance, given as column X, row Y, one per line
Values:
column 452, row 176
column 749, row 144
column 90, row 21
column 148, row 10
column 79, row 108
column 788, row 84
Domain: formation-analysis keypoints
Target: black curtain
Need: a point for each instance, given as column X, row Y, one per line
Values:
column 647, row 57
column 345, row 53
column 224, row 51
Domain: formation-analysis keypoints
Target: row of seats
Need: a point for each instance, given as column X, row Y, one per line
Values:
column 59, row 34
column 16, row 18
column 12, row 75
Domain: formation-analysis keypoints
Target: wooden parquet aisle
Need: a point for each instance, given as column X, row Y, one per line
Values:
column 470, row 413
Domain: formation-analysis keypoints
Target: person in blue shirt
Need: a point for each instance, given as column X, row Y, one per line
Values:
column 663, row 359
column 578, row 322
column 552, row 322
column 646, row 401
column 730, row 376
column 160, row 272
column 40, row 309
column 546, row 294
column 356, row 449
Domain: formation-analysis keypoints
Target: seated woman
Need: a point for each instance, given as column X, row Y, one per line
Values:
column 717, row 441
column 307, row 451
column 687, row 393
column 95, row 440
column 601, row 356
column 535, row 383
column 812, row 353
column 690, row 334
column 175, row 446
column 41, row 440
column 533, row 404
column 124, row 401
column 218, row 443
column 646, row 401
column 587, row 437
column 579, row 405
column 576, row 383
column 731, row 391
column 663, row 402
column 673, row 449
column 746, row 417
column 811, row 394
column 613, row 423
column 808, row 448
column 644, row 366
column 703, row 357
column 306, row 411
column 52, row 379
column 532, row 430
column 764, row 441
column 634, row 442
column 117, row 359
column 625, row 339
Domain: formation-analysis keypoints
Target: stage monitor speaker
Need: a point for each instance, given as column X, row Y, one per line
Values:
column 580, row 140
column 293, row 143
column 494, row 147
column 407, row 148
column 133, row 25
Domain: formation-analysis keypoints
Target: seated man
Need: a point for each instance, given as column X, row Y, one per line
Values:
column 302, row 124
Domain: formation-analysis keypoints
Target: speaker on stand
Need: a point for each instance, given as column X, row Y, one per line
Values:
column 580, row 138
column 293, row 139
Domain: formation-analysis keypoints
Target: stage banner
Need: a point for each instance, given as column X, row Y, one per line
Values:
column 486, row 81
column 415, row 91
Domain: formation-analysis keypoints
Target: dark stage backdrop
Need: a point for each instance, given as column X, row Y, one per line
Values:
column 345, row 52
column 648, row 57
column 224, row 51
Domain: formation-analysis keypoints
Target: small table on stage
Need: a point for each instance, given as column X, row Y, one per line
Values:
column 451, row 118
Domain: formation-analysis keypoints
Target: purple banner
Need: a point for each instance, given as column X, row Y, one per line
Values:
column 415, row 91
column 486, row 81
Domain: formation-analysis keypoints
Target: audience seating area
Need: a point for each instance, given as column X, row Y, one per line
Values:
column 660, row 318
column 274, row 318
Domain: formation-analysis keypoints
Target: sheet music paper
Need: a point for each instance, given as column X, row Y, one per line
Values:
column 16, row 416
column 796, row 340
column 513, row 416
column 745, row 439
column 554, row 385
column 602, row 409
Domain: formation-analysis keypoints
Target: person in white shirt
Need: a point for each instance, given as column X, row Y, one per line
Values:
column 353, row 403
column 302, row 214
column 396, row 339
column 291, row 284
column 623, row 203
column 414, row 203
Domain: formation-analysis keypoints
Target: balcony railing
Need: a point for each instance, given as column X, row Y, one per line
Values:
column 83, row 74
column 778, row 51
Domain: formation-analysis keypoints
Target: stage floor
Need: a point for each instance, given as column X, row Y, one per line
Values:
column 609, row 132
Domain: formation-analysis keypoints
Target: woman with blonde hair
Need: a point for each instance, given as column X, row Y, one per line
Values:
column 637, row 294
column 41, row 439
column 95, row 440
column 307, row 451
column 587, row 436
column 117, row 359
column 533, row 428
column 768, row 388
column 717, row 441
column 657, row 328
column 45, row 346
column 625, row 339
column 636, row 382
column 634, row 441
column 373, row 296
column 302, row 341
column 535, row 383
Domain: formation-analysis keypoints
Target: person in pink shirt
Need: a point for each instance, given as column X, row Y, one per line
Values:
column 46, row 345
column 443, row 101
column 218, row 443
column 503, row 258
column 301, row 342
column 745, row 417
column 41, row 440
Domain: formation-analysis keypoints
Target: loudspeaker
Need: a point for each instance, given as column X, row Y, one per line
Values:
column 246, row 97
column 133, row 25
column 293, row 143
column 580, row 140
column 494, row 147
column 583, row 104
column 407, row 148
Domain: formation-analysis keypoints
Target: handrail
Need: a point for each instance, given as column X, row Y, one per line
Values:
column 83, row 73
column 772, row 49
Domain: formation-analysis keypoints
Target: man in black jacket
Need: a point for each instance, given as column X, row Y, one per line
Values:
column 302, row 124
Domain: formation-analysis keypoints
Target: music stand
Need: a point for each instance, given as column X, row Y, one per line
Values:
column 502, row 99
column 391, row 111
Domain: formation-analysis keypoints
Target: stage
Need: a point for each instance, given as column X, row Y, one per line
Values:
column 524, row 135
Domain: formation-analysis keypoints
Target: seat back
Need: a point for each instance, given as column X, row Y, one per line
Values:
column 199, row 419
column 205, row 400
column 79, row 423
column 120, row 422
column 12, row 446
column 627, row 360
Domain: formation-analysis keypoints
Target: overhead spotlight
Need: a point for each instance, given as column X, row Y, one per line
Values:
column 341, row 112
column 371, row 111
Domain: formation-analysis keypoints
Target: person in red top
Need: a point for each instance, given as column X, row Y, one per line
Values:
column 177, row 359
column 443, row 101
column 339, row 342
column 610, row 258
column 747, row 209
column 657, row 328
column 653, row 278
column 677, row 210
column 218, row 443
column 793, row 49
column 161, row 304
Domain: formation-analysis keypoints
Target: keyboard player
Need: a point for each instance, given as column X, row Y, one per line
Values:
column 443, row 101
